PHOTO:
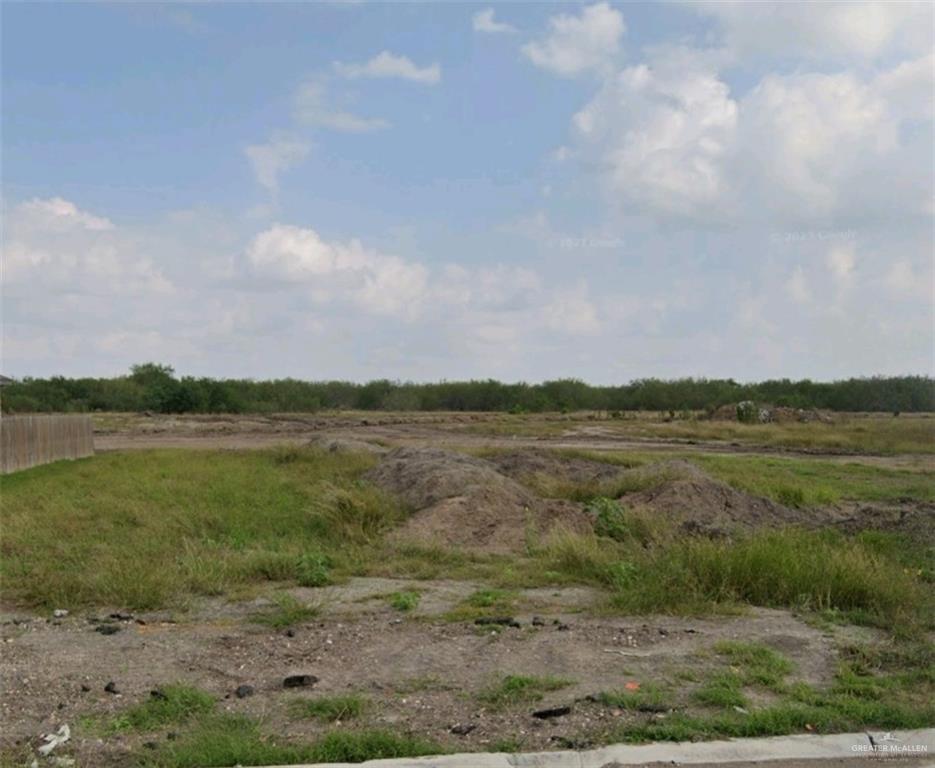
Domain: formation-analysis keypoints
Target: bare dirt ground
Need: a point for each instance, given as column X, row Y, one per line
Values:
column 420, row 672
column 468, row 430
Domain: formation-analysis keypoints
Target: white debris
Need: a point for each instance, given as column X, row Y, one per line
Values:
column 52, row 740
column 60, row 613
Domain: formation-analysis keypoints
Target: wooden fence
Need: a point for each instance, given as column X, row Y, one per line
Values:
column 26, row 441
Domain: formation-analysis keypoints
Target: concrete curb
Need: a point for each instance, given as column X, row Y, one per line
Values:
column 902, row 744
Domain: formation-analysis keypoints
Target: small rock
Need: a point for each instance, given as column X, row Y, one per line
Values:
column 111, row 687
column 107, row 629
column 158, row 695
column 59, row 613
column 462, row 729
column 502, row 621
column 538, row 621
column 545, row 714
column 85, row 688
column 172, row 735
column 299, row 681
column 563, row 627
column 150, row 745
column 290, row 633
column 242, row 691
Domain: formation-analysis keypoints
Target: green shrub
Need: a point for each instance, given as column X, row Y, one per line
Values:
column 313, row 569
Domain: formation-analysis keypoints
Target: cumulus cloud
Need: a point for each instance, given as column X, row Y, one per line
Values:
column 571, row 312
column 58, row 214
column 675, row 141
column 663, row 131
column 313, row 107
column 51, row 245
column 388, row 64
column 859, row 29
column 376, row 282
column 576, row 44
column 278, row 155
column 484, row 21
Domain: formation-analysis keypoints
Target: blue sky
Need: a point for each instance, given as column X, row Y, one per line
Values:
column 425, row 191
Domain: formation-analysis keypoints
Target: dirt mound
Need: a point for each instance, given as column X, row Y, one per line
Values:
column 700, row 504
column 464, row 502
column 573, row 469
column 914, row 519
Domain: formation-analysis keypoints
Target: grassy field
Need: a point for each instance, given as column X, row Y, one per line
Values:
column 158, row 529
column 153, row 529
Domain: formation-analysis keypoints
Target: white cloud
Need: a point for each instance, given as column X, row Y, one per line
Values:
column 52, row 246
column 571, row 312
column 56, row 213
column 312, row 107
column 278, row 155
column 663, row 132
column 797, row 286
column 906, row 282
column 841, row 262
column 483, row 21
column 376, row 282
column 858, row 30
column 388, row 64
column 576, row 44
column 795, row 149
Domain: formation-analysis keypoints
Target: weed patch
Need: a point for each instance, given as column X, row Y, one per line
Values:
column 407, row 600
column 329, row 708
column 169, row 705
column 287, row 612
column 513, row 690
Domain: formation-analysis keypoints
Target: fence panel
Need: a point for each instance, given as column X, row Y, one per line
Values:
column 29, row 440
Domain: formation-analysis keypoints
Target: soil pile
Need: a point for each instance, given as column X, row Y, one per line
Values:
column 464, row 502
column 913, row 519
column 521, row 465
column 699, row 504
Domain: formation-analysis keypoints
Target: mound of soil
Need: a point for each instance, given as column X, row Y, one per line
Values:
column 524, row 464
column 699, row 504
column 913, row 519
column 464, row 502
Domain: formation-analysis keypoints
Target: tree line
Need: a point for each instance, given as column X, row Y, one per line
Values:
column 156, row 388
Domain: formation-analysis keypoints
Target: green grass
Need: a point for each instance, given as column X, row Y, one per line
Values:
column 329, row 708
column 206, row 522
column 406, row 600
column 888, row 685
column 286, row 612
column 750, row 664
column 225, row 740
column 803, row 570
column 169, row 705
column 723, row 690
column 758, row 664
column 514, row 690
column 815, row 482
column 648, row 698
column 484, row 603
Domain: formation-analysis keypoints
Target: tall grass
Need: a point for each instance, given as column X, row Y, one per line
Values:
column 147, row 529
column 821, row 571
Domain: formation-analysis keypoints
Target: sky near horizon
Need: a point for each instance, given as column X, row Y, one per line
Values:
column 521, row 191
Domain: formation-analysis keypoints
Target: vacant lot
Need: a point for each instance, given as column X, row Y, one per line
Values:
column 346, row 587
